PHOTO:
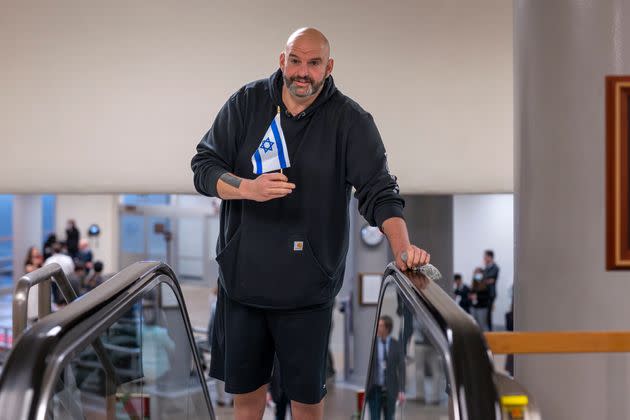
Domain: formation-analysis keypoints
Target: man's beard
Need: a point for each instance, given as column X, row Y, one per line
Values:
column 312, row 88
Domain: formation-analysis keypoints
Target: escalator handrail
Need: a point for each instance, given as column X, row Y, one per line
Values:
column 459, row 340
column 31, row 370
column 21, row 293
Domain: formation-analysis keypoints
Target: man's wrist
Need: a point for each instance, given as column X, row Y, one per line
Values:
column 245, row 189
column 231, row 180
column 399, row 248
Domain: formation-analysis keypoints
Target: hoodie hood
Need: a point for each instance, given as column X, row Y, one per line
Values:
column 276, row 81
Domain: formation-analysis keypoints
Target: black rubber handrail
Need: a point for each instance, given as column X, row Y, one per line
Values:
column 456, row 336
column 34, row 364
column 42, row 278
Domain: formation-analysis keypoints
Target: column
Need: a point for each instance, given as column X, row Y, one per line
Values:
column 563, row 51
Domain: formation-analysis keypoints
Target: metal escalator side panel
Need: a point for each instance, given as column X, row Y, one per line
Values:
column 19, row 383
column 462, row 342
column 63, row 339
column 473, row 370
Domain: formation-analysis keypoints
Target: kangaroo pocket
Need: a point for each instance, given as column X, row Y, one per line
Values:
column 272, row 268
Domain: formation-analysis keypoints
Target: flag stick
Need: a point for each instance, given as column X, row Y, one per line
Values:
column 279, row 113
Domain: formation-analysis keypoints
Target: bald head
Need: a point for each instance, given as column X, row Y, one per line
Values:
column 311, row 37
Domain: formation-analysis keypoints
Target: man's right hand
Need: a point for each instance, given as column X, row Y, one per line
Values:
column 267, row 187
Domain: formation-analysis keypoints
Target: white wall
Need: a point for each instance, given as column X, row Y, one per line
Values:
column 112, row 97
column 89, row 209
column 485, row 222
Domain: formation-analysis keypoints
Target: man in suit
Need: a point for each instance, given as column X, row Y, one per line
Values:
column 490, row 277
column 72, row 238
column 387, row 373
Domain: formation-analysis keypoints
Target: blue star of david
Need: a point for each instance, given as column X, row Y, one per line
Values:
column 267, row 145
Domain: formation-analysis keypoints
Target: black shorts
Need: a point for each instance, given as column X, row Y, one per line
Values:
column 245, row 339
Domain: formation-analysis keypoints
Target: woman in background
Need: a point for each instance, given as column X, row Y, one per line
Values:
column 34, row 260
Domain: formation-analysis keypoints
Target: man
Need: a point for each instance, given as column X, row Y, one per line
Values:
column 387, row 373
column 76, row 278
column 85, row 255
column 72, row 238
column 490, row 277
column 94, row 278
column 67, row 266
column 461, row 293
column 284, row 236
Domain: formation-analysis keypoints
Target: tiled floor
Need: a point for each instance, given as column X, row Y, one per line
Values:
column 340, row 405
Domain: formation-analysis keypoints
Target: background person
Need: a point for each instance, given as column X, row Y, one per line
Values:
column 85, row 255
column 34, row 260
column 387, row 373
column 60, row 257
column 94, row 278
column 490, row 277
column 480, row 298
column 462, row 292
column 72, row 238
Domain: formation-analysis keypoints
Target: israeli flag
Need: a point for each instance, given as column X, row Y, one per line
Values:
column 272, row 153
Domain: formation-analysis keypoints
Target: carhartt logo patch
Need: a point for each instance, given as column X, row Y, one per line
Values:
column 298, row 246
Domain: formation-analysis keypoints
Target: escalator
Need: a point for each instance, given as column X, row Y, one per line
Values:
column 123, row 351
column 429, row 359
column 126, row 351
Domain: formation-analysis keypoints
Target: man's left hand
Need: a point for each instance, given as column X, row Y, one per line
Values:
column 415, row 257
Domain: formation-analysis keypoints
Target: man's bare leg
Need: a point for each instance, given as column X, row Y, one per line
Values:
column 250, row 406
column 301, row 411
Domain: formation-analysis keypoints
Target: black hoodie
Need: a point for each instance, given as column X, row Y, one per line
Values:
column 290, row 252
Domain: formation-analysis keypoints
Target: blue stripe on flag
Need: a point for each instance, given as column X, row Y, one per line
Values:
column 279, row 144
column 258, row 162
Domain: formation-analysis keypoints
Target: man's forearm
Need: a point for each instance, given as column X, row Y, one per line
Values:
column 265, row 187
column 406, row 255
column 395, row 229
column 231, row 187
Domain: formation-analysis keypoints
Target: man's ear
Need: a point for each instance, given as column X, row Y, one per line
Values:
column 282, row 59
column 329, row 66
